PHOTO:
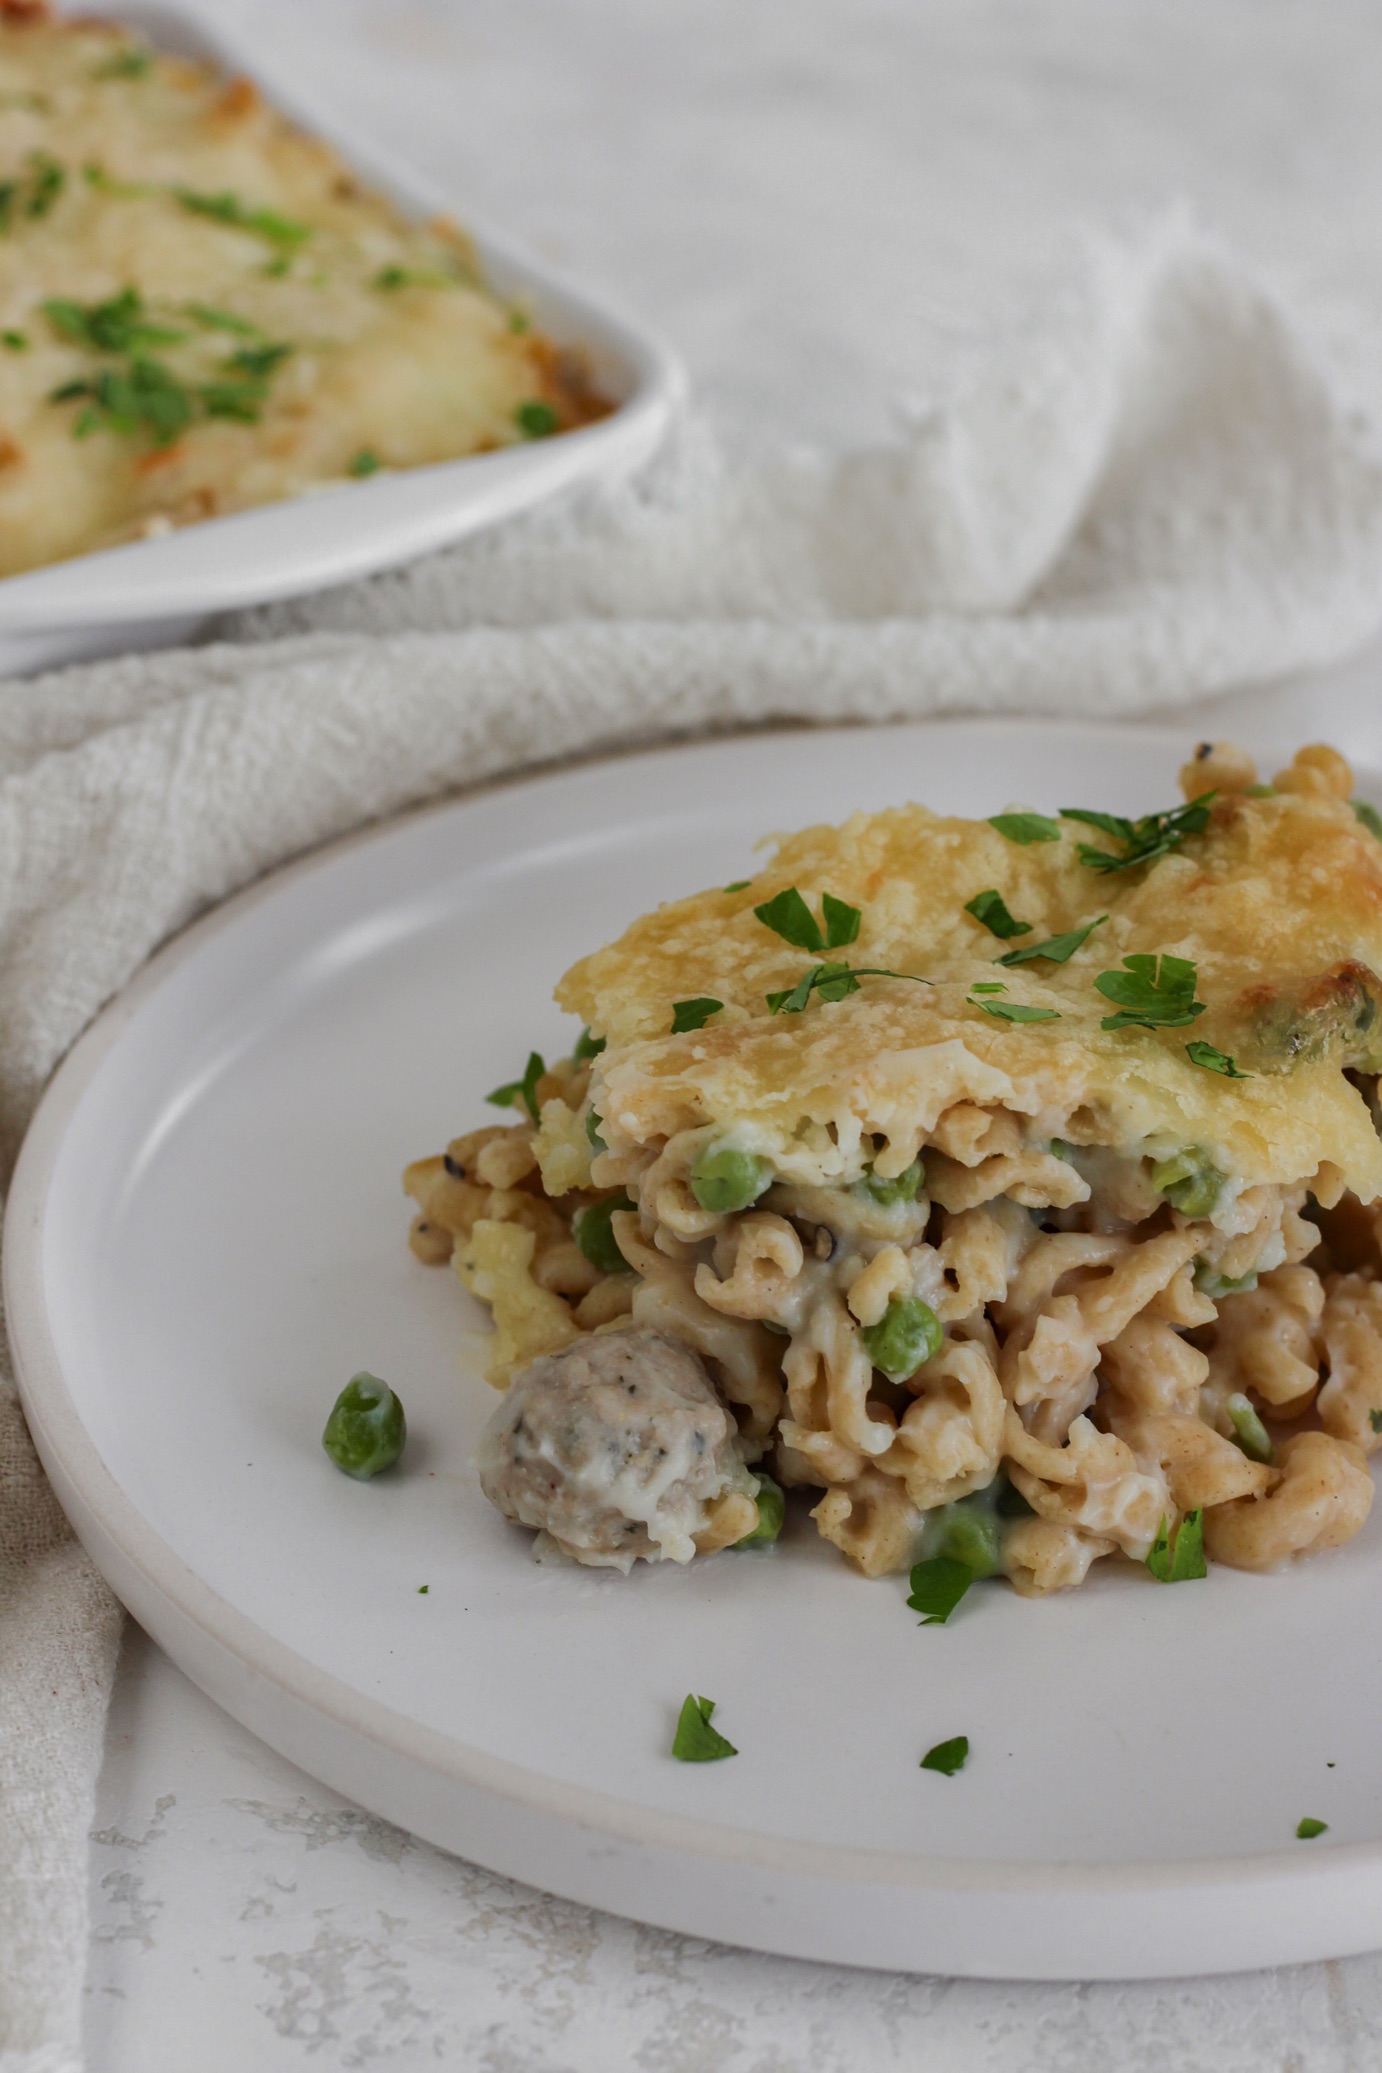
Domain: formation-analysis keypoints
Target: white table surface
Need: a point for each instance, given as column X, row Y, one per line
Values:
column 822, row 202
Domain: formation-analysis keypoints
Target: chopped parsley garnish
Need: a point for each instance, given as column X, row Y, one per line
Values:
column 95, row 175
column 1375, row 1420
column 693, row 1014
column 587, row 1046
column 221, row 320
column 1154, row 835
column 1057, row 950
column 389, row 277
column 47, row 180
column 14, row 341
column 536, row 419
column 1369, row 816
column 833, row 982
column 937, row 1587
column 696, row 1741
column 990, row 911
column 131, row 63
column 1026, row 828
column 788, row 916
column 1179, row 1559
column 261, row 223
column 947, row 1757
column 1150, row 993
column 423, row 1589
column 365, row 462
column 259, row 361
column 524, row 1090
column 988, row 986
column 119, row 325
column 1215, row 1061
column 144, row 397
column 739, row 885
column 1014, row 1011
column 1308, row 1828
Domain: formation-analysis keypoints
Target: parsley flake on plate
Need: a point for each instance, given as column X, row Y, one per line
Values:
column 947, row 1757
column 365, row 462
column 1179, row 1559
column 937, row 1587
column 990, row 910
column 1141, row 841
column 1056, row 950
column 696, row 1741
column 1215, row 1061
column 1025, row 828
column 524, row 1090
column 693, row 1014
column 1151, row 992
column 1308, row 1828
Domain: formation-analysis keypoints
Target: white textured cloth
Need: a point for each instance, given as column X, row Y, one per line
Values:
column 1147, row 494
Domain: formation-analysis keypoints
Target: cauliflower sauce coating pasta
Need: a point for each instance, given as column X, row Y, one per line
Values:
column 202, row 310
column 1013, row 1173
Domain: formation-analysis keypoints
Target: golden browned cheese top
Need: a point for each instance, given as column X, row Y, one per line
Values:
column 1278, row 904
column 288, row 328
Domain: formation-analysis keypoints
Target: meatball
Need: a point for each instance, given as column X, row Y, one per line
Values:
column 614, row 1446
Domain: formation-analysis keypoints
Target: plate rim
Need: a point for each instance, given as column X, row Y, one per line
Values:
column 89, row 1488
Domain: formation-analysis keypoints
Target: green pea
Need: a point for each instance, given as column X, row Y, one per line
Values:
column 591, row 1230
column 1211, row 1284
column 366, row 1429
column 1189, row 1180
column 907, row 1334
column 593, row 1122
column 1248, row 1430
column 968, row 1532
column 903, row 1187
column 772, row 1510
column 723, row 1180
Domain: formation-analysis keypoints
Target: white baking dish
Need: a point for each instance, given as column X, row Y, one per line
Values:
column 153, row 592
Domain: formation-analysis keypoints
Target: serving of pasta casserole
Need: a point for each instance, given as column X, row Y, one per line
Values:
column 1006, row 1186
column 202, row 310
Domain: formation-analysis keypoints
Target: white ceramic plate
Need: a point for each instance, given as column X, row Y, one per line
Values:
column 206, row 1237
column 158, row 590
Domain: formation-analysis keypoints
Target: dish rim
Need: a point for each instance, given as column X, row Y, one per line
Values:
column 87, row 1487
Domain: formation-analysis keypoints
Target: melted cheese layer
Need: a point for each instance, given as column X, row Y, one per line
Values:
column 1278, row 904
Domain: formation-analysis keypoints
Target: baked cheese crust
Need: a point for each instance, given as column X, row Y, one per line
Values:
column 201, row 310
column 1278, row 905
